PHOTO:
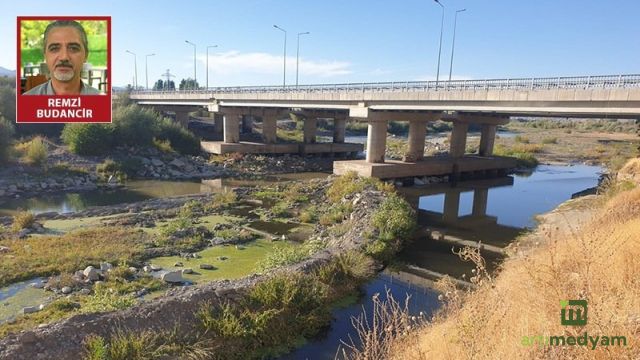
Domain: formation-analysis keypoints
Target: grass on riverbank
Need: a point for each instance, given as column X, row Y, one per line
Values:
column 504, row 316
column 276, row 315
column 76, row 250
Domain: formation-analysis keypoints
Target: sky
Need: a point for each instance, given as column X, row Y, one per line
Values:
column 353, row 41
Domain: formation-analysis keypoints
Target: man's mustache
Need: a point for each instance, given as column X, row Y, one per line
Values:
column 64, row 64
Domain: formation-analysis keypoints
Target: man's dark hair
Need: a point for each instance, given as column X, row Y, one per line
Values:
column 67, row 23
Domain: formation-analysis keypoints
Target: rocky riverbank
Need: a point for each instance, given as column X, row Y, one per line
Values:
column 177, row 310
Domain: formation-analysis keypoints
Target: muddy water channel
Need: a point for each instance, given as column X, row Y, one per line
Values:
column 492, row 211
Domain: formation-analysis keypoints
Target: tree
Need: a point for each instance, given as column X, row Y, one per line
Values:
column 171, row 85
column 189, row 84
column 159, row 85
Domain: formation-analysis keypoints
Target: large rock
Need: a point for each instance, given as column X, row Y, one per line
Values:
column 207, row 267
column 4, row 249
column 173, row 277
column 105, row 266
column 91, row 273
column 30, row 309
column 177, row 163
column 157, row 162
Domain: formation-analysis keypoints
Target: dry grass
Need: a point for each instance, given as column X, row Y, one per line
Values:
column 45, row 255
column 597, row 263
column 630, row 171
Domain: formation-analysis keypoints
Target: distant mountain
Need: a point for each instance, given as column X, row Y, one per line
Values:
column 7, row 72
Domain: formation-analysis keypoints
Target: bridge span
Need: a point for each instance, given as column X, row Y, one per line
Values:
column 487, row 103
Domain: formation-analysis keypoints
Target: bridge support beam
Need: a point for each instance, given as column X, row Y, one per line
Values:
column 310, row 130
column 487, row 139
column 458, row 144
column 480, row 197
column 231, row 127
column 376, row 141
column 417, row 133
column 269, row 129
column 451, row 206
column 182, row 117
column 339, row 129
column 218, row 123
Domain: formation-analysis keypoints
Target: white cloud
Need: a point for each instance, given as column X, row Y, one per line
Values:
column 235, row 62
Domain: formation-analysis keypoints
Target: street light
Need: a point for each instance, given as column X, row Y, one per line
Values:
column 135, row 68
column 298, row 54
column 453, row 43
column 440, row 47
column 284, row 75
column 208, row 47
column 146, row 73
column 195, row 79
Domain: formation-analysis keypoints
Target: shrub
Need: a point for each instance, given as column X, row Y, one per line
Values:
column 521, row 139
column 88, row 139
column 223, row 199
column 344, row 185
column 23, row 220
column 6, row 136
column 181, row 139
column 395, row 221
column 37, row 152
column 134, row 125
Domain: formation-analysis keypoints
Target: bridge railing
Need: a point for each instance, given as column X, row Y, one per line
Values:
column 575, row 82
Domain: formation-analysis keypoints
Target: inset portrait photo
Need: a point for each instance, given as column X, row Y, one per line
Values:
column 64, row 69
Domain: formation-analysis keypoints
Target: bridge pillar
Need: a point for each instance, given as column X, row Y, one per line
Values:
column 480, row 197
column 451, row 205
column 182, row 117
column 339, row 129
column 376, row 141
column 269, row 129
column 218, row 123
column 417, row 133
column 231, row 127
column 487, row 139
column 458, row 142
column 247, row 124
column 310, row 129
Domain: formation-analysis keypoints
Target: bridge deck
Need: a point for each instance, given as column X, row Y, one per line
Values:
column 430, row 166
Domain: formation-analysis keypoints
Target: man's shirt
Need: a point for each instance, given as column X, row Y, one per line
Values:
column 47, row 89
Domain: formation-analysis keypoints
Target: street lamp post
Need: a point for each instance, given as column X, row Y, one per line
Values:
column 209, row 47
column 298, row 55
column 146, row 73
column 440, row 47
column 195, row 79
column 135, row 69
column 284, row 75
column 453, row 43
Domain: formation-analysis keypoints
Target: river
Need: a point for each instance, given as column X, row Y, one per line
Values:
column 492, row 211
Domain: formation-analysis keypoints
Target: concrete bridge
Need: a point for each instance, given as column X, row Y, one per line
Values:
column 487, row 103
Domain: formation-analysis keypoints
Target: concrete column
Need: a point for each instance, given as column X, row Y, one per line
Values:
column 458, row 139
column 231, row 127
column 451, row 205
column 480, row 197
column 417, row 133
column 269, row 128
column 376, row 141
column 247, row 124
column 339, row 129
column 310, row 128
column 487, row 139
column 182, row 117
column 218, row 123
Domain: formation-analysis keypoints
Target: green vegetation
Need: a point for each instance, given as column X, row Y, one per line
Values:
column 88, row 139
column 121, row 170
column 550, row 140
column 283, row 255
column 74, row 250
column 132, row 126
column 274, row 316
column 394, row 222
column 6, row 139
column 523, row 153
column 521, row 139
column 37, row 152
column 626, row 126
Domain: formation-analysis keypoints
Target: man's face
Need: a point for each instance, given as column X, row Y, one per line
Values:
column 64, row 53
